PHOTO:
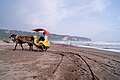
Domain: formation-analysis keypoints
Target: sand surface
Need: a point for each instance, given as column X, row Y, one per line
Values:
column 60, row 62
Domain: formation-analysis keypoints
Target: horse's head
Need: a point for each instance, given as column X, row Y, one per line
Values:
column 13, row 37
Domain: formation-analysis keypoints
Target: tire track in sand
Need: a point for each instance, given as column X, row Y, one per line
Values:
column 71, row 53
column 105, row 67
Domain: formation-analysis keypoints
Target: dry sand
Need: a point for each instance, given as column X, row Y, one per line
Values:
column 60, row 62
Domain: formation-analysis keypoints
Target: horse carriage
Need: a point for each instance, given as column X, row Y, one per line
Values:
column 41, row 42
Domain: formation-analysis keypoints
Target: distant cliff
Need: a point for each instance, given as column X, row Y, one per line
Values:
column 4, row 34
column 56, row 37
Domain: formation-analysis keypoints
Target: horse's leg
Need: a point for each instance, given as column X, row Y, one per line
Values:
column 31, row 47
column 22, row 46
column 15, row 47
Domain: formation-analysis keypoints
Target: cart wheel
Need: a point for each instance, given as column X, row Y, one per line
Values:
column 46, row 48
column 42, row 48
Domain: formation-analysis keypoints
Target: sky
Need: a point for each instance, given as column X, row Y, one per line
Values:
column 95, row 19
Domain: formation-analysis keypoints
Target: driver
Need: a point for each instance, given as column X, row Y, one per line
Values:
column 41, row 38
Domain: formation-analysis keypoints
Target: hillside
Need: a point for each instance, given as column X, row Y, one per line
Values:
column 4, row 34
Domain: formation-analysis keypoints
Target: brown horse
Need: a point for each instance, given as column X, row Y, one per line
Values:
column 21, row 40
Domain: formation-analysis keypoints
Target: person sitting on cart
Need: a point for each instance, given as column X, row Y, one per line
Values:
column 41, row 38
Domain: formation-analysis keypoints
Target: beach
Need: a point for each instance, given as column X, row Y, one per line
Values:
column 59, row 62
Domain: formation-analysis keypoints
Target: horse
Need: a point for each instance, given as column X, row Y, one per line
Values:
column 21, row 40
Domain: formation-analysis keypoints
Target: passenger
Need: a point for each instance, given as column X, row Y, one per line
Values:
column 42, row 38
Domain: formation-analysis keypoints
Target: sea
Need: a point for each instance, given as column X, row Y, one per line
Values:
column 102, row 45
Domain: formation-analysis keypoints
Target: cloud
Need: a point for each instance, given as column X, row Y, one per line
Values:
column 61, row 15
column 80, row 12
column 45, row 13
column 49, row 13
column 80, row 7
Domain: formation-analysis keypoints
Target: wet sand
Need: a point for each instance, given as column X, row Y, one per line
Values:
column 60, row 62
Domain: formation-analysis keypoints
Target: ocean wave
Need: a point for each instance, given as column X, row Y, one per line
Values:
column 102, row 45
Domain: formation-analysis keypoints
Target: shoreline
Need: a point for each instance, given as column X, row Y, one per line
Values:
column 68, row 43
column 112, row 50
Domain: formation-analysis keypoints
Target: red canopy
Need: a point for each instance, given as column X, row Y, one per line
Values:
column 41, row 29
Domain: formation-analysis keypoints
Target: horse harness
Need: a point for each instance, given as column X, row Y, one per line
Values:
column 15, row 38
